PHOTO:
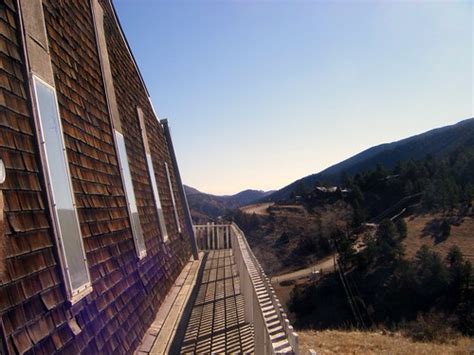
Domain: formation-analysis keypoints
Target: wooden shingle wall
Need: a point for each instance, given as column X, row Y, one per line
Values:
column 28, row 293
column 126, row 292
column 130, row 93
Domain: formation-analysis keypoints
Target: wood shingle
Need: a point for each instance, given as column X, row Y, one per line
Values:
column 126, row 292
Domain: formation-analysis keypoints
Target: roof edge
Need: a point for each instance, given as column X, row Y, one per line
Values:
column 127, row 44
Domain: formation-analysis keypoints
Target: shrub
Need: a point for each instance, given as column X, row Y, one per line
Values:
column 401, row 228
column 388, row 242
column 283, row 239
column 445, row 229
column 433, row 327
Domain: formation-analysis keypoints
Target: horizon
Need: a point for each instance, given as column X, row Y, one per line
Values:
column 335, row 163
column 265, row 93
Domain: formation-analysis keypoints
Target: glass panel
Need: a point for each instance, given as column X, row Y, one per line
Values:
column 130, row 193
column 172, row 197
column 60, row 181
column 161, row 217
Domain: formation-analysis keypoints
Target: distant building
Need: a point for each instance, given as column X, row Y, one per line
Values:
column 330, row 189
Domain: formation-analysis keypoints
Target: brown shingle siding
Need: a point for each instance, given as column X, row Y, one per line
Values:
column 29, row 240
column 126, row 292
column 130, row 97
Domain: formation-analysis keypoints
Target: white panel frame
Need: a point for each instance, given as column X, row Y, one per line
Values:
column 173, row 198
column 122, row 161
column 156, row 194
column 74, row 294
column 151, row 174
column 126, row 174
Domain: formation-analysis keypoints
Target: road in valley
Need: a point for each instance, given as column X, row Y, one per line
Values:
column 327, row 265
column 259, row 208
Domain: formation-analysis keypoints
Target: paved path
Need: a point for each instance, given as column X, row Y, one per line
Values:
column 216, row 324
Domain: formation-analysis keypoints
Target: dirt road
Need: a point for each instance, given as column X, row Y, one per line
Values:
column 258, row 208
column 327, row 265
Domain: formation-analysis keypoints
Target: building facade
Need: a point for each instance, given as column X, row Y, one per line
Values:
column 94, row 227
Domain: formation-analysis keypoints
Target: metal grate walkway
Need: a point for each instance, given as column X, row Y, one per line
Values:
column 217, row 322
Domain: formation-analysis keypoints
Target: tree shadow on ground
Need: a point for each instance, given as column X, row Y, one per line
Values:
column 437, row 229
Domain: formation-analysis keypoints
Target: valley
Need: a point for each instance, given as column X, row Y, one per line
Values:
column 383, row 240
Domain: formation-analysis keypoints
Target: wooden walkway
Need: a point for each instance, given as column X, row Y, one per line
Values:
column 216, row 323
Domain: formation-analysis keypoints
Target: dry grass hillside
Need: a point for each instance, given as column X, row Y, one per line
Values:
column 423, row 228
column 357, row 342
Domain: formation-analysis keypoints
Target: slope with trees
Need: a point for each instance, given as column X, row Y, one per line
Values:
column 436, row 143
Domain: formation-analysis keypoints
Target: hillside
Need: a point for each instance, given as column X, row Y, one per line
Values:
column 435, row 142
column 290, row 237
column 359, row 342
column 204, row 206
column 423, row 229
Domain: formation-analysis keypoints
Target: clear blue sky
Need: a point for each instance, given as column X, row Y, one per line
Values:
column 260, row 93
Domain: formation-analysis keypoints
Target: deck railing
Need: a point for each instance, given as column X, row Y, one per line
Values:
column 213, row 236
column 273, row 333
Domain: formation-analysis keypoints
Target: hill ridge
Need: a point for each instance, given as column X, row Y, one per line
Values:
column 215, row 205
column 436, row 141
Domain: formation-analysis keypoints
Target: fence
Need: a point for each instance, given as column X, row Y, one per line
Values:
column 213, row 236
column 273, row 333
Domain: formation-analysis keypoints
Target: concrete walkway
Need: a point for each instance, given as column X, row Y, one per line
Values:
column 216, row 323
